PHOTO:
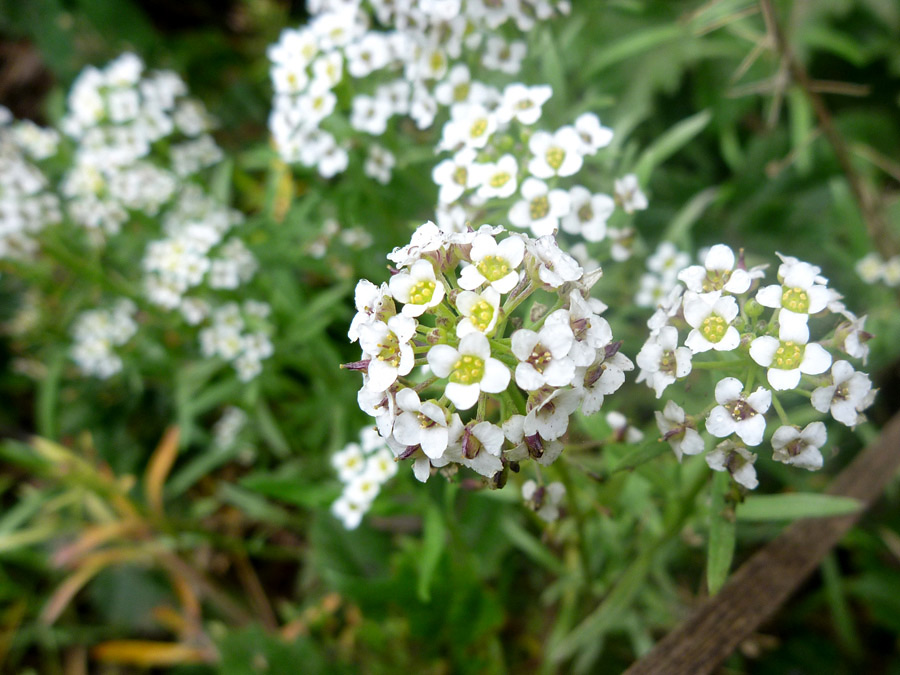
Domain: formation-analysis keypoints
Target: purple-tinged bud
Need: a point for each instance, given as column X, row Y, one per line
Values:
column 535, row 446
column 357, row 365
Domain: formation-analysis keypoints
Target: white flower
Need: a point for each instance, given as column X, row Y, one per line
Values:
column 454, row 176
column 427, row 238
column 470, row 125
column 388, row 346
column 588, row 213
column 543, row 500
column 852, row 337
column 380, row 466
column 548, row 413
column 628, row 194
column 622, row 430
column 418, row 288
column 495, row 179
column 891, row 273
column 667, row 261
column 541, row 208
column 503, row 56
column 662, row 361
column 480, row 448
column 480, row 311
column 710, row 315
column 456, row 86
column 739, row 414
column 680, row 434
column 542, row 356
column 493, row 263
column 523, row 103
column 790, row 355
column 349, row 512
column 367, row 54
column 736, row 460
column 870, row 268
column 800, row 448
column 595, row 383
column 421, row 423
column 593, row 135
column 369, row 299
column 555, row 267
column 717, row 273
column 349, row 462
column 470, row 368
column 849, row 393
column 379, row 164
column 798, row 292
column 555, row 154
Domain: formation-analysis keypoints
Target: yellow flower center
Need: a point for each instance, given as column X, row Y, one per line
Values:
column 586, row 213
column 460, row 175
column 461, row 92
column 493, row 268
column 499, row 179
column 421, row 292
column 478, row 128
column 555, row 157
column 468, row 369
column 713, row 328
column 482, row 313
column 539, row 207
column 390, row 350
column 795, row 300
column 788, row 355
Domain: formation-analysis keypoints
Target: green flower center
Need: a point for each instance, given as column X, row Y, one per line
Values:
column 460, row 175
column 467, row 370
column 713, row 328
column 525, row 104
column 555, row 157
column 437, row 61
column 421, row 292
column 390, row 350
column 586, row 213
column 795, row 300
column 478, row 128
column 788, row 356
column 461, row 92
column 482, row 313
column 539, row 207
column 715, row 280
column 493, row 268
column 499, row 179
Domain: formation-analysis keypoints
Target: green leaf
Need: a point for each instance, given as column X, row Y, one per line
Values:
column 680, row 227
column 720, row 550
column 669, row 143
column 531, row 546
column 48, row 395
column 270, row 431
column 634, row 44
column 433, row 543
column 292, row 490
column 795, row 505
column 647, row 451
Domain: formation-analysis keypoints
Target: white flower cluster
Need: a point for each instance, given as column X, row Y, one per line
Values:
column 873, row 269
column 721, row 306
column 458, row 292
column 352, row 237
column 362, row 468
column 228, row 427
column 662, row 275
column 26, row 203
column 97, row 332
column 117, row 116
column 239, row 334
column 544, row 500
column 412, row 56
column 195, row 250
column 498, row 158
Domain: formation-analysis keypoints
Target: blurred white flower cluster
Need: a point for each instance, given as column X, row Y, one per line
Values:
column 137, row 137
column 873, row 268
column 501, row 387
column 721, row 305
column 27, row 205
column 362, row 468
column 399, row 58
column 97, row 333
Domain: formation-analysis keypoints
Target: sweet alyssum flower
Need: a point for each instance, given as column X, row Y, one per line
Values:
column 790, row 355
column 799, row 448
column 718, row 273
column 847, row 394
column 662, row 361
column 628, row 194
column 736, row 460
column 587, row 214
column 678, row 430
column 470, row 368
column 737, row 413
column 556, row 154
column 710, row 315
column 540, row 209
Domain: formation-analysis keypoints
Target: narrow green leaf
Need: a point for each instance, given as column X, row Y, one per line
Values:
column 649, row 450
column 635, row 43
column 433, row 543
column 802, row 124
column 669, row 143
column 679, row 229
column 795, row 505
column 48, row 395
column 531, row 546
column 270, row 431
column 720, row 549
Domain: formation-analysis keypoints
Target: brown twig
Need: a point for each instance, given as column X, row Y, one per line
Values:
column 756, row 591
column 872, row 216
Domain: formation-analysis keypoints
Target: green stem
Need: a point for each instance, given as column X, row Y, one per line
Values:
column 780, row 410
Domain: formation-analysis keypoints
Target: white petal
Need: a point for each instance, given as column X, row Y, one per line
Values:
column 463, row 396
column 728, row 389
column 720, row 257
column 770, row 296
column 523, row 343
column 528, row 378
column 559, row 372
column 782, row 380
column 760, row 400
column 762, row 350
column 434, row 441
column 475, row 344
column 816, row 359
column 442, row 358
column 692, row 443
column 729, row 341
column 408, row 400
column 496, row 376
column 507, row 283
column 751, row 430
column 720, row 423
column 422, row 469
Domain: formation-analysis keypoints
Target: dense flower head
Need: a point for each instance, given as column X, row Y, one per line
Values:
column 739, row 330
column 494, row 392
column 363, row 468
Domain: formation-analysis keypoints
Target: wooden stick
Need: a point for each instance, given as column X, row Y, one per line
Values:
column 756, row 591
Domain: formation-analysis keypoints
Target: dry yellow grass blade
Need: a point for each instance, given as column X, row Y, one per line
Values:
column 149, row 654
column 158, row 469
